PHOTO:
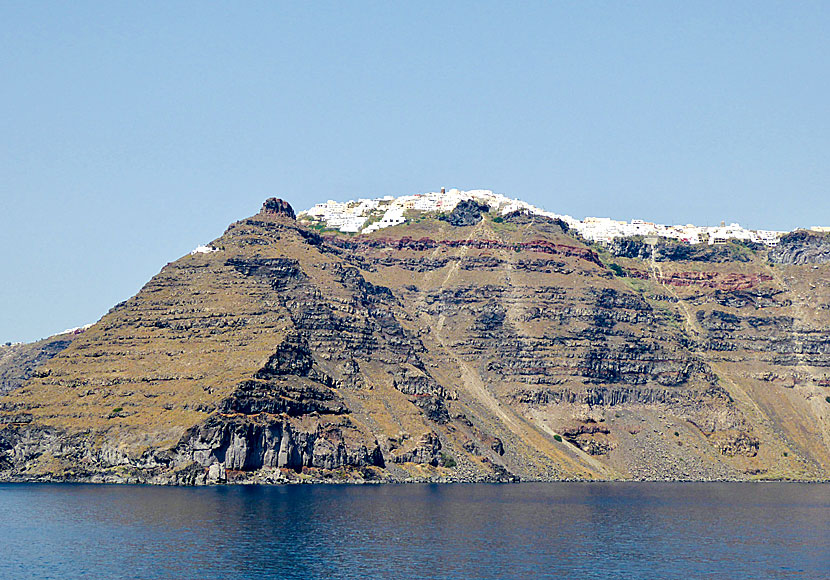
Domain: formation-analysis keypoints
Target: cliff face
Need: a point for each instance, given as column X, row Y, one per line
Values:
column 468, row 349
column 18, row 362
column 666, row 250
column 802, row 247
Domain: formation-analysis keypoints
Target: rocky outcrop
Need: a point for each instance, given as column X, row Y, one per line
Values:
column 426, row 450
column 739, row 443
column 611, row 396
column 413, row 381
column 277, row 206
column 525, row 217
column 589, row 436
column 278, row 271
column 715, row 280
column 802, row 247
column 248, row 444
column 667, row 250
column 639, row 364
column 754, row 298
column 292, row 398
column 466, row 213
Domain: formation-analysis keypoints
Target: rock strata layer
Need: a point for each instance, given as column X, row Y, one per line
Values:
column 469, row 348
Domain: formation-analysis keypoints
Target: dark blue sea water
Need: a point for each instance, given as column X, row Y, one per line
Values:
column 555, row 530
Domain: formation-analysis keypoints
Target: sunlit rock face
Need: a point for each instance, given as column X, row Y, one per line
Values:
column 486, row 346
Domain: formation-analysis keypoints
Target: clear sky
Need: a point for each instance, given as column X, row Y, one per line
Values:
column 133, row 132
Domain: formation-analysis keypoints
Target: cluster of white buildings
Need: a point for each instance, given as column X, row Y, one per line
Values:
column 369, row 215
column 203, row 250
column 604, row 230
column 76, row 330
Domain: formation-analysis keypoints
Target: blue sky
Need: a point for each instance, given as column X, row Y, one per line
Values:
column 133, row 132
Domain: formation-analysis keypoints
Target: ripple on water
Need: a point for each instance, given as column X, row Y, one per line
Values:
column 605, row 530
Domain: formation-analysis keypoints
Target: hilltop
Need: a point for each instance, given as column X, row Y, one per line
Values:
column 479, row 341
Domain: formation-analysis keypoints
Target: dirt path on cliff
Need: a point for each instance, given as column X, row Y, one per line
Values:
column 562, row 455
column 746, row 404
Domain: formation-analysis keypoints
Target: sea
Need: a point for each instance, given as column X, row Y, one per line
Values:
column 466, row 531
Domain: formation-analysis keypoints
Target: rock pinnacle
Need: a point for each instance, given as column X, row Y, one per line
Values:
column 277, row 206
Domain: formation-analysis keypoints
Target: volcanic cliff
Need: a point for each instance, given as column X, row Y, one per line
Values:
column 467, row 346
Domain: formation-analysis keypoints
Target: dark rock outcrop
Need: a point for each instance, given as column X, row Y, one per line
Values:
column 738, row 444
column 667, row 250
column 433, row 407
column 802, row 247
column 718, row 320
column 427, row 450
column 411, row 381
column 278, row 271
column 466, row 213
column 524, row 217
column 491, row 317
column 278, row 206
column 293, row 398
column 247, row 444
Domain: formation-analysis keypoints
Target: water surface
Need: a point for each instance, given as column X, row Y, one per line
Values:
column 553, row 530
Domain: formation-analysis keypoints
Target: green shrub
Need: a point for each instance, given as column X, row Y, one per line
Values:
column 447, row 460
column 117, row 410
column 557, row 437
column 827, row 398
column 498, row 219
column 617, row 269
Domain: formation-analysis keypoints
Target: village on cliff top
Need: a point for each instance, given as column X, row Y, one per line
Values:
column 369, row 215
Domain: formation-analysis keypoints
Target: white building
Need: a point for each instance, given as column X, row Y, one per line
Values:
column 392, row 217
column 352, row 217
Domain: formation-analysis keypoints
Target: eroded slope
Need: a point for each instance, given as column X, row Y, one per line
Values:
column 472, row 348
